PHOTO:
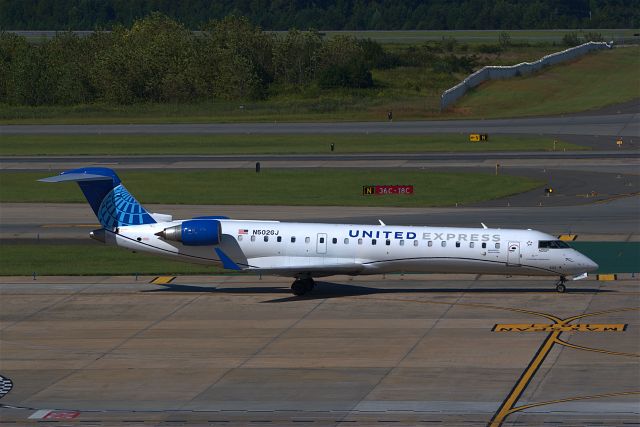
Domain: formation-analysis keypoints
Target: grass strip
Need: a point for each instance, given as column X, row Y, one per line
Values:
column 87, row 259
column 293, row 187
column 60, row 145
column 593, row 81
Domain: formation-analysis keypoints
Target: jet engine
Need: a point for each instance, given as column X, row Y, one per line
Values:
column 194, row 232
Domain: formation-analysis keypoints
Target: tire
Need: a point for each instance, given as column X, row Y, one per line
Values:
column 298, row 288
column 561, row 288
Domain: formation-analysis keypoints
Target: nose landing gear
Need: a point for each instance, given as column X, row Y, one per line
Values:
column 302, row 286
column 560, row 287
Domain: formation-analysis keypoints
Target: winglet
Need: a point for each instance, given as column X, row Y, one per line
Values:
column 226, row 261
column 484, row 226
column 381, row 223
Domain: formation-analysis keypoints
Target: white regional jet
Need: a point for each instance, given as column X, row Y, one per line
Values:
column 304, row 251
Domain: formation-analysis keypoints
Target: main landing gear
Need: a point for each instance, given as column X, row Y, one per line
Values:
column 302, row 286
column 560, row 287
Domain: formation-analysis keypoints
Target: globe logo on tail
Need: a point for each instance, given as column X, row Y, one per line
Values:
column 120, row 208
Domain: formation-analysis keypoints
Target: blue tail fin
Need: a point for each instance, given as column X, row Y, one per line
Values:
column 110, row 201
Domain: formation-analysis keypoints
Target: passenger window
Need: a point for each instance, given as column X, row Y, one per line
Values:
column 240, row 238
column 322, row 240
column 430, row 243
column 415, row 243
column 443, row 244
column 484, row 246
column 279, row 239
column 293, row 239
column 388, row 242
column 266, row 238
column 472, row 244
column 497, row 245
column 253, row 238
column 401, row 242
column 373, row 241
column 346, row 241
column 307, row 239
column 334, row 240
column 457, row 244
column 359, row 241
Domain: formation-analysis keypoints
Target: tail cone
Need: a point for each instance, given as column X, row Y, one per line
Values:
column 98, row 235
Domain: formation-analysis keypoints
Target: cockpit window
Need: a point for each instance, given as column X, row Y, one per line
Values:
column 552, row 244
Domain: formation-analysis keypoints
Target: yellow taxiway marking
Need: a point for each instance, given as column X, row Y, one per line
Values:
column 568, row 237
column 558, row 327
column 595, row 350
column 508, row 406
column 542, row 327
column 606, row 277
column 163, row 280
column 573, row 399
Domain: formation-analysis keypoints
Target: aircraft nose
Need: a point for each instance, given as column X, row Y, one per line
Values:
column 590, row 265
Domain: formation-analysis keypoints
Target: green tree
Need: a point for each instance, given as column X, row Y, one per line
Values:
column 341, row 63
column 237, row 58
column 153, row 61
column 295, row 57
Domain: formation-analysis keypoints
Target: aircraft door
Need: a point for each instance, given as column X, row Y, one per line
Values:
column 321, row 243
column 513, row 254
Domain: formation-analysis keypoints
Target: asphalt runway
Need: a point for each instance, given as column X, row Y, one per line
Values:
column 613, row 125
column 401, row 350
column 302, row 160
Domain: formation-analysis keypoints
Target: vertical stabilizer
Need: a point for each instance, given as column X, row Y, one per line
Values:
column 113, row 205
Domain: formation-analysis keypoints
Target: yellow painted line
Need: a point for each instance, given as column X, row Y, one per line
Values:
column 560, row 325
column 568, row 237
column 572, row 399
column 507, row 406
column 595, row 350
column 542, row 327
column 163, row 280
column 607, row 277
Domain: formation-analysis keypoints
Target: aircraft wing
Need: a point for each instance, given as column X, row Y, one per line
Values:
column 312, row 270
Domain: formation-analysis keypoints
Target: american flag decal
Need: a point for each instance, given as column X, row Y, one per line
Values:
column 243, row 231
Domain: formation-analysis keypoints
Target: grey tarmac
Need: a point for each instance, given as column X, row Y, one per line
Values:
column 623, row 125
column 401, row 350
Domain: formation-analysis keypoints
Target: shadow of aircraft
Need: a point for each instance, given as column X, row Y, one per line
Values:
column 329, row 290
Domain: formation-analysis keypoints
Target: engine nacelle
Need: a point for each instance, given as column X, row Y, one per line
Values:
column 194, row 232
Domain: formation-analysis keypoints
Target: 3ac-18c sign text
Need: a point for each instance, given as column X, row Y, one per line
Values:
column 381, row 190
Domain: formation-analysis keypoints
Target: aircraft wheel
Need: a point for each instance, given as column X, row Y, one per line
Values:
column 302, row 286
column 310, row 284
column 298, row 288
column 560, row 287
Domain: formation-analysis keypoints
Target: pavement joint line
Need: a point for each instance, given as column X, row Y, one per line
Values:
column 258, row 351
column 413, row 347
column 104, row 353
column 55, row 303
column 508, row 405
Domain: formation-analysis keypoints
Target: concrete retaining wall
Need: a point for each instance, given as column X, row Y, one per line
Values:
column 450, row 96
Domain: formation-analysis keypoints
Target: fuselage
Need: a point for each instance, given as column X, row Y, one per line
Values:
column 287, row 248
